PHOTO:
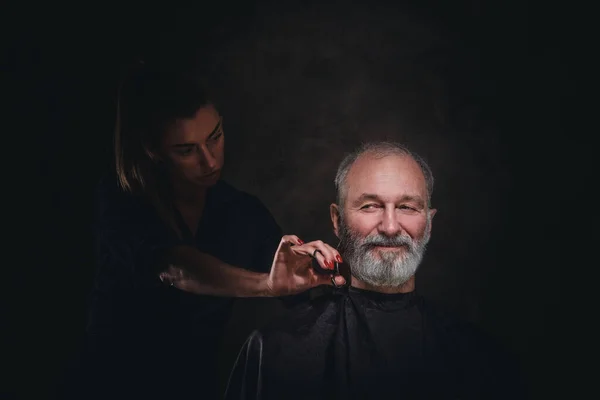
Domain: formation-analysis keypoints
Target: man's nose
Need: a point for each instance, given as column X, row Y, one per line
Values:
column 390, row 224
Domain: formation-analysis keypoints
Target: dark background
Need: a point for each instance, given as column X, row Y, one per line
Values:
column 464, row 83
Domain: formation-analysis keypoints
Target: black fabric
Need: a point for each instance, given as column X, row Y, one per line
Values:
column 356, row 344
column 148, row 340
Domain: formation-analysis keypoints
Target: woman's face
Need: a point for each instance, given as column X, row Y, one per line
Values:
column 194, row 148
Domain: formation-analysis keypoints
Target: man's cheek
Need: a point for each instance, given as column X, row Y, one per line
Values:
column 360, row 227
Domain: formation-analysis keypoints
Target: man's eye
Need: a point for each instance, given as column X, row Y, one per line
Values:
column 185, row 152
column 409, row 208
column 369, row 206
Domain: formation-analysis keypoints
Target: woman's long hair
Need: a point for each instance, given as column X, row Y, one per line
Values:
column 150, row 100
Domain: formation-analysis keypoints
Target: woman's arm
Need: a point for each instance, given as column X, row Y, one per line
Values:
column 202, row 273
column 125, row 226
column 292, row 272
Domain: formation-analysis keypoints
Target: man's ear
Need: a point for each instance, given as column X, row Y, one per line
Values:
column 432, row 212
column 334, row 213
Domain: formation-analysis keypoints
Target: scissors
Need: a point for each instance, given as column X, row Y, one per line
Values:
column 321, row 270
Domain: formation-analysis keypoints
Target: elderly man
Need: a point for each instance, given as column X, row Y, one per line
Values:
column 377, row 338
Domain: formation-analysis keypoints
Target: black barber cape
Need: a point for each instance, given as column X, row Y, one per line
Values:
column 358, row 344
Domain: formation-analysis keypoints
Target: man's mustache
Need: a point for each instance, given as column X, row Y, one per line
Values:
column 386, row 241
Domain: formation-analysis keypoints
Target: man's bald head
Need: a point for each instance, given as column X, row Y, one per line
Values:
column 378, row 150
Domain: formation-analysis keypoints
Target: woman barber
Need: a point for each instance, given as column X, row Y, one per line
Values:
column 166, row 212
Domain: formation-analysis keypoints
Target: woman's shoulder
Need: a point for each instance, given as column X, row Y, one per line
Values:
column 246, row 209
column 108, row 192
column 110, row 200
column 240, row 198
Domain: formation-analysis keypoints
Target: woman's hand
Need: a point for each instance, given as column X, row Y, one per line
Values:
column 292, row 271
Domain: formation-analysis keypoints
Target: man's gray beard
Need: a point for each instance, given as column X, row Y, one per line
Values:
column 390, row 268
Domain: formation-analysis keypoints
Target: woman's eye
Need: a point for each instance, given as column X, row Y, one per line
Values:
column 185, row 152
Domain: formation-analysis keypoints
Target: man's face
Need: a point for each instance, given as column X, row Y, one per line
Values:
column 194, row 148
column 385, row 223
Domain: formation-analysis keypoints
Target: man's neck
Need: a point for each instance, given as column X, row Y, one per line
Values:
column 406, row 287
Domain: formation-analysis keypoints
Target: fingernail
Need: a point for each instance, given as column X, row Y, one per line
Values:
column 329, row 264
column 301, row 241
column 339, row 259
